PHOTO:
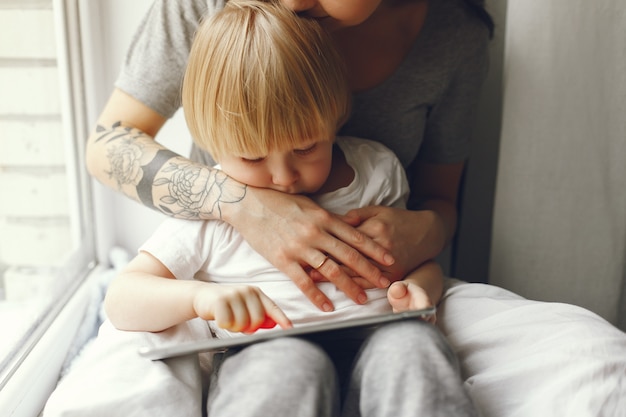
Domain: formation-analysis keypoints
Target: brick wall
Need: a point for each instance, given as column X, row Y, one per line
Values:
column 35, row 229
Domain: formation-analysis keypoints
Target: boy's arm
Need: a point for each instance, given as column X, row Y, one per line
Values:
column 147, row 297
column 421, row 288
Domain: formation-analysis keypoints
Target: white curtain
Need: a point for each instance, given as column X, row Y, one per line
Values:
column 559, row 230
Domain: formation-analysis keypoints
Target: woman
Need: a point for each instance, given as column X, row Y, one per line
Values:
column 415, row 67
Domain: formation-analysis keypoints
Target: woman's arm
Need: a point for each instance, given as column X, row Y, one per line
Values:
column 290, row 231
column 415, row 236
column 147, row 297
column 122, row 154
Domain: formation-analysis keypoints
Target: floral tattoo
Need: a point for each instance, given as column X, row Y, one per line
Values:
column 126, row 156
column 192, row 190
column 125, row 160
column 198, row 190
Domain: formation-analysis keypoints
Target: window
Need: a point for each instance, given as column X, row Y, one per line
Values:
column 46, row 233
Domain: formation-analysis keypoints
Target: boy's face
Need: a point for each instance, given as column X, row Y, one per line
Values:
column 299, row 170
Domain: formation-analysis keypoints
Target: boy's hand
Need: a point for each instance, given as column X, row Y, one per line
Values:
column 404, row 296
column 240, row 308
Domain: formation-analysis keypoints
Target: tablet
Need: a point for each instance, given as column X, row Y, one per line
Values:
column 306, row 331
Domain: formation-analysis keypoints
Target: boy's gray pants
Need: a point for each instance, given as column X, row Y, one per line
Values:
column 402, row 369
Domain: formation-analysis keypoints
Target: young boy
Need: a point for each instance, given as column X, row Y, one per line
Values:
column 264, row 93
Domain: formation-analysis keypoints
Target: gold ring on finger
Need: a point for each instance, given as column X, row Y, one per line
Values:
column 322, row 263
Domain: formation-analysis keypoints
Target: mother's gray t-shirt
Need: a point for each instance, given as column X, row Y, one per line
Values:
column 424, row 111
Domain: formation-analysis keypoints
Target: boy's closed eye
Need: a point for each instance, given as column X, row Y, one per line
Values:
column 305, row 151
column 301, row 152
column 252, row 160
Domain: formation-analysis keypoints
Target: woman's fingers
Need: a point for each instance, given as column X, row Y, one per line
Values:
column 354, row 249
column 338, row 276
column 412, row 236
column 330, row 255
column 304, row 282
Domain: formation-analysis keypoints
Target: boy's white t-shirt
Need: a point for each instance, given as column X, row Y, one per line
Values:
column 214, row 251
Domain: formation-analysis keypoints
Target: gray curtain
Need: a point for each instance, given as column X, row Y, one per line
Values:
column 559, row 227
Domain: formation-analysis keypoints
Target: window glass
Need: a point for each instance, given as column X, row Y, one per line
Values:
column 46, row 243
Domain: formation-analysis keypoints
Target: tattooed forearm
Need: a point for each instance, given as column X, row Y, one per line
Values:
column 150, row 170
column 164, row 180
column 123, row 152
column 117, row 131
column 124, row 160
column 197, row 190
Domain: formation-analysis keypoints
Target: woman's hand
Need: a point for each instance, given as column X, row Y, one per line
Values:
column 238, row 308
column 413, row 237
column 295, row 235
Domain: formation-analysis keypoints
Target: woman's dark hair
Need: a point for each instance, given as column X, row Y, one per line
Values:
column 478, row 8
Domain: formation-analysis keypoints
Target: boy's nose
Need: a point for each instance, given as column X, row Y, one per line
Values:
column 284, row 175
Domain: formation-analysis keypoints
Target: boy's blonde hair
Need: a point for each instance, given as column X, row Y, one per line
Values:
column 259, row 77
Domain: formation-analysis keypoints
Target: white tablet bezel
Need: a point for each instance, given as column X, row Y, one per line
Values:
column 217, row 344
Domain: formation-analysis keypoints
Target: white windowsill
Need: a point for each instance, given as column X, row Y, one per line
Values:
column 27, row 391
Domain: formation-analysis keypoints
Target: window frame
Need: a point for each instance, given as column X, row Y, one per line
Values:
column 32, row 372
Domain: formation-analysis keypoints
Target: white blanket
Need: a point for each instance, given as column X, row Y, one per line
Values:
column 527, row 358
column 109, row 378
column 520, row 358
